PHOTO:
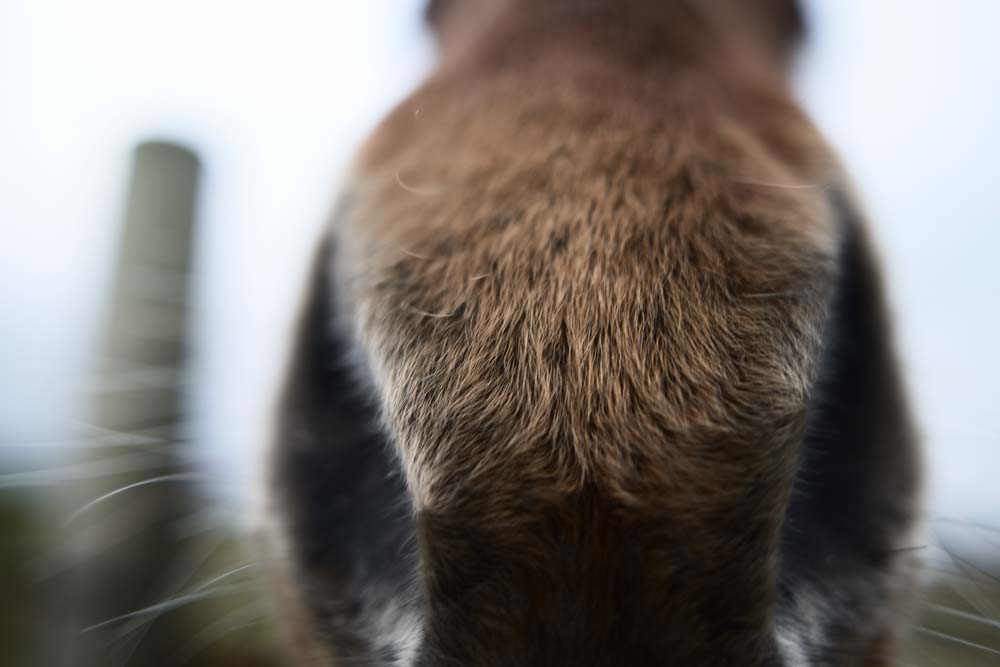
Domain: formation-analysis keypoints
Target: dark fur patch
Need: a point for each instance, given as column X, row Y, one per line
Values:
column 343, row 501
column 845, row 536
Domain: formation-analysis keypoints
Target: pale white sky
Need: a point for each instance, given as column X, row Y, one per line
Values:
column 274, row 95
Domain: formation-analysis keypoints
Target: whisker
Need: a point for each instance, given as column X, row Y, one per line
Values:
column 422, row 192
column 957, row 640
column 951, row 521
column 129, row 436
column 452, row 313
column 224, row 575
column 198, row 523
column 409, row 252
column 958, row 613
column 786, row 186
column 964, row 564
column 135, row 382
column 223, row 626
column 183, row 570
column 73, row 551
column 112, row 465
column 72, row 443
column 770, row 295
column 975, row 596
column 170, row 605
column 162, row 479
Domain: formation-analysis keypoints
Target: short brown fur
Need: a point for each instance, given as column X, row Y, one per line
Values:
column 588, row 266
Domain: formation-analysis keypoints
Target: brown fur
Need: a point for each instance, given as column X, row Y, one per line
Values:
column 588, row 267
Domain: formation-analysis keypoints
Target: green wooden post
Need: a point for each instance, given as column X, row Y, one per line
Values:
column 128, row 540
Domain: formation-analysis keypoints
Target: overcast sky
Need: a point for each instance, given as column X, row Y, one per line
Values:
column 274, row 95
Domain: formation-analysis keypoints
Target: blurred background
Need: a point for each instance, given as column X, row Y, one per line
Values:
column 165, row 169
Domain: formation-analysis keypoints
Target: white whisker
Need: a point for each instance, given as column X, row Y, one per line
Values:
column 181, row 572
column 224, row 575
column 112, row 465
column 424, row 313
column 956, row 640
column 109, row 533
column 787, row 186
column 422, row 192
column 162, row 479
column 170, row 605
column 243, row 617
column 957, row 613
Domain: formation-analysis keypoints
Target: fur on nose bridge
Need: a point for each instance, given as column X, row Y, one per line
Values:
column 580, row 577
column 667, row 338
column 635, row 394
